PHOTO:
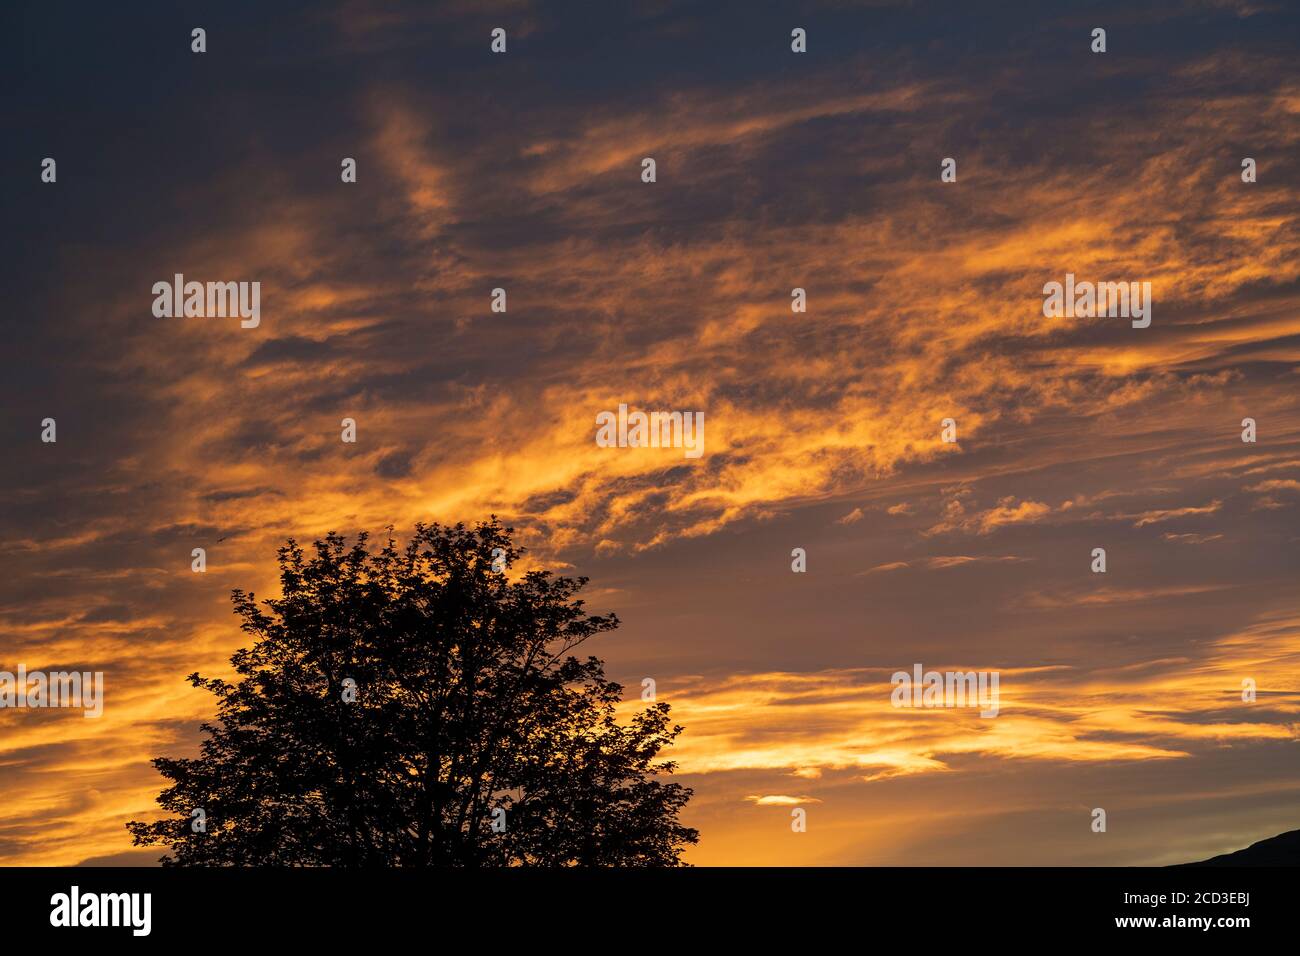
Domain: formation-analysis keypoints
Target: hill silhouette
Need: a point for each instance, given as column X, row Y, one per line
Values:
column 1281, row 850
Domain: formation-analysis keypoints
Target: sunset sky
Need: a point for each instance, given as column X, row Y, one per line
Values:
column 775, row 170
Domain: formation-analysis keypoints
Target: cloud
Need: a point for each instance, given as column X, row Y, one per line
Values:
column 944, row 561
column 1289, row 484
column 1169, row 514
column 891, row 566
column 951, row 561
column 1006, row 512
column 1107, row 596
column 1157, row 709
column 1191, row 538
column 1268, row 503
column 854, row 516
column 780, row 800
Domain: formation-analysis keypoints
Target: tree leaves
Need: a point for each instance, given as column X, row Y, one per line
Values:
column 391, row 700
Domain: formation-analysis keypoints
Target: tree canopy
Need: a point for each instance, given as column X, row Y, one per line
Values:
column 421, row 706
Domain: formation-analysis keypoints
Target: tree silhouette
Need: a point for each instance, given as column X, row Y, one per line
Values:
column 417, row 707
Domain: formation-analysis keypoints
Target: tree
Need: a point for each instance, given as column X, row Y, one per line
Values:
column 417, row 707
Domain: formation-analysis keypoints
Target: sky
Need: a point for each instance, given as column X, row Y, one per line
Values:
column 775, row 170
